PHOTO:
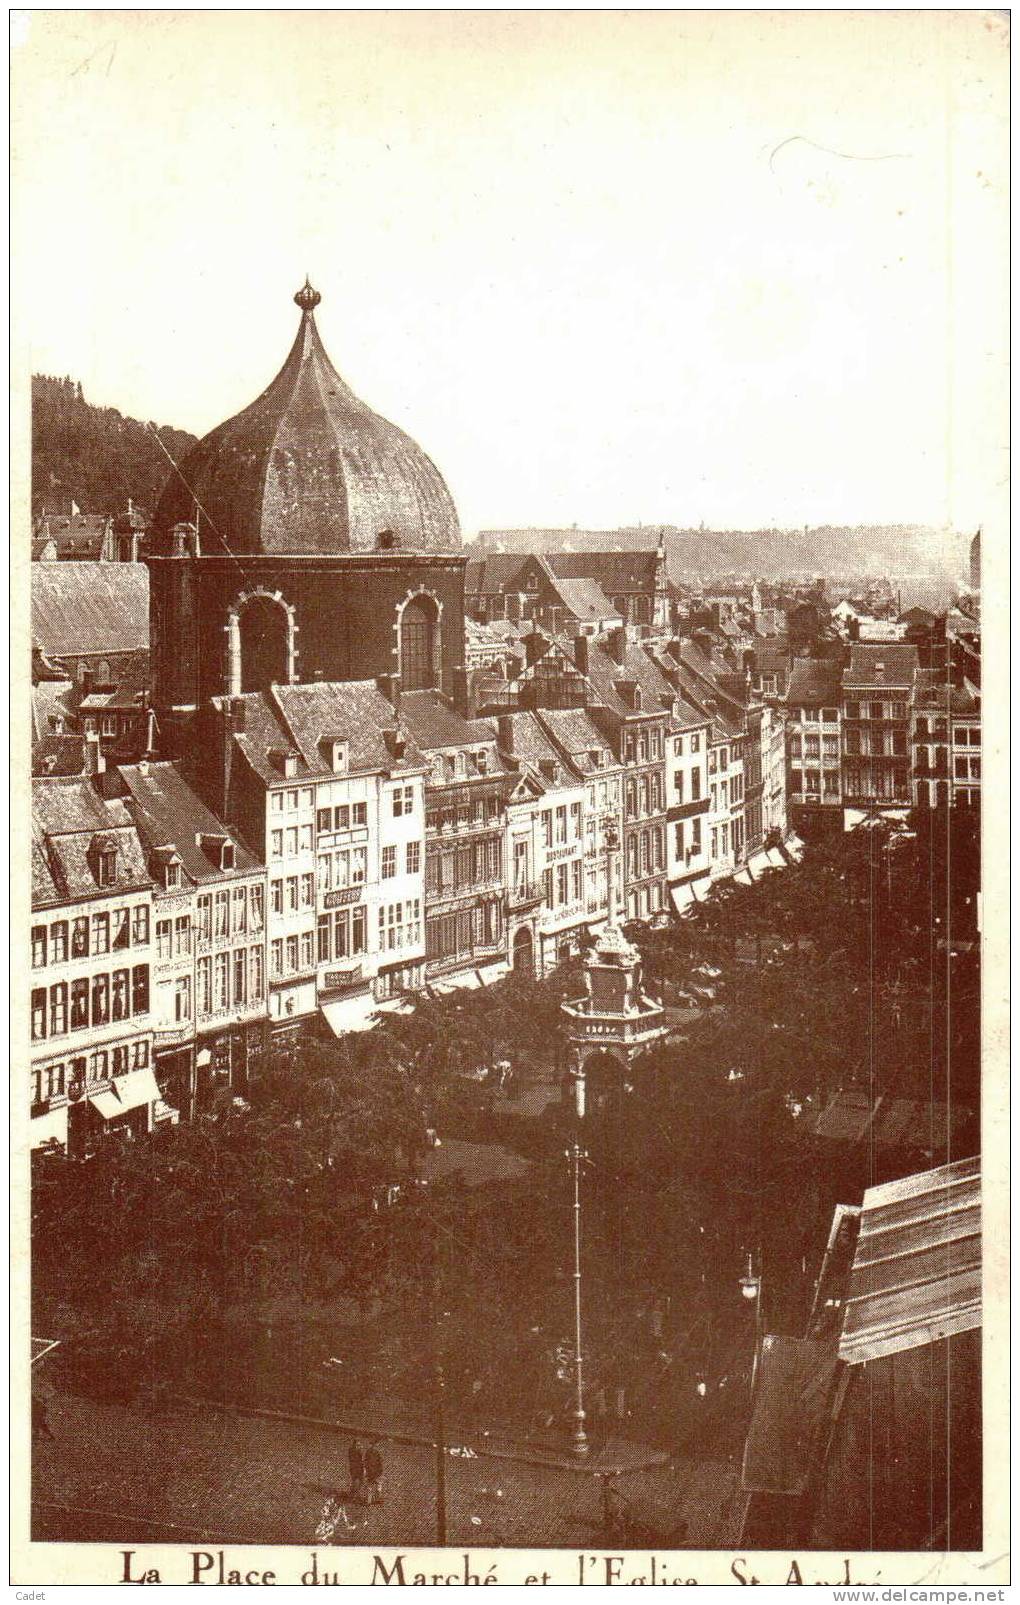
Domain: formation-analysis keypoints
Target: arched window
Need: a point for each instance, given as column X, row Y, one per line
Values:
column 264, row 626
column 419, row 645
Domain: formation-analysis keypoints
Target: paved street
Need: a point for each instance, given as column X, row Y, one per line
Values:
column 115, row 1474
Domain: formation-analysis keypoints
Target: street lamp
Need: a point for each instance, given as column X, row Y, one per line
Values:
column 750, row 1284
column 576, row 1155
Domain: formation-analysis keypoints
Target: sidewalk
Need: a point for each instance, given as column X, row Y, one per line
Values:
column 115, row 1474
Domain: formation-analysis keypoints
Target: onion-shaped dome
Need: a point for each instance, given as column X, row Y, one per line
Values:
column 308, row 468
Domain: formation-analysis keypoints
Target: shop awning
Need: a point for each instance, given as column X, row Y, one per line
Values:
column 128, row 1092
column 490, row 973
column 683, row 898
column 344, row 1015
column 464, row 981
column 50, row 1127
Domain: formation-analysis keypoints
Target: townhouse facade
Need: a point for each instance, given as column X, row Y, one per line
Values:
column 545, row 842
column 814, row 743
column 877, row 684
column 328, row 791
column 209, row 947
column 91, row 1027
column 466, row 789
column 591, row 756
column 688, row 801
column 946, row 742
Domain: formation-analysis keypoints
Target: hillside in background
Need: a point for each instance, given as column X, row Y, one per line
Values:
column 894, row 549
column 94, row 455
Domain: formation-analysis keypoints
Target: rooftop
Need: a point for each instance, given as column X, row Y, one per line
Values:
column 167, row 812
column 916, row 1274
column 89, row 609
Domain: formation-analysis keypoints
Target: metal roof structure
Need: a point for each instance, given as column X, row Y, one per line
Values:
column 309, row 468
column 916, row 1274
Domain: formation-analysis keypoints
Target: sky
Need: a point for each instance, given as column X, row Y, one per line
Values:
column 746, row 269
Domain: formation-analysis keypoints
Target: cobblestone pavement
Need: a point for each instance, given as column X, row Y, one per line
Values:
column 114, row 1473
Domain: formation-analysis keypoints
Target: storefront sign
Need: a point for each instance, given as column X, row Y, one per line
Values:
column 554, row 855
column 352, row 894
column 333, row 979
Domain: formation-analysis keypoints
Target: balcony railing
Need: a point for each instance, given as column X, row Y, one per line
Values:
column 524, row 893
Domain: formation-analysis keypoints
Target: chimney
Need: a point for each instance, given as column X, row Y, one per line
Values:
column 95, row 763
column 617, row 644
column 389, row 685
column 549, row 768
column 534, row 647
column 462, row 693
column 514, row 667
column 237, row 714
column 581, row 653
column 505, row 726
column 396, row 746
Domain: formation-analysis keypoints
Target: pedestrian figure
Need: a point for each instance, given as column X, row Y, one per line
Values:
column 614, row 1508
column 356, row 1467
column 374, row 1474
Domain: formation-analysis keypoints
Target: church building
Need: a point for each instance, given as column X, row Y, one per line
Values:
column 306, row 539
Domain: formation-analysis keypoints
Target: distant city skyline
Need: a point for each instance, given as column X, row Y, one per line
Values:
column 744, row 269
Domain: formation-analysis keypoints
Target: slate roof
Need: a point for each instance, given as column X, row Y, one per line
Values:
column 577, row 736
column 585, row 600
column 53, row 709
column 529, row 741
column 67, row 816
column 899, row 663
column 89, row 609
column 60, row 755
column 432, row 724
column 614, row 572
column 167, row 813
column 814, row 682
column 496, row 572
column 604, row 673
column 300, row 718
column 76, row 537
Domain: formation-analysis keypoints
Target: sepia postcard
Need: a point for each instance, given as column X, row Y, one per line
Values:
column 509, row 1008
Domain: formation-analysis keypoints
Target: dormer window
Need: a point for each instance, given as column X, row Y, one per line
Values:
column 106, row 866
column 482, row 762
column 219, row 850
column 339, row 756
column 285, row 761
column 171, row 876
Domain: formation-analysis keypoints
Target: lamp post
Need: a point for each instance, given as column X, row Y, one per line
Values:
column 576, row 1156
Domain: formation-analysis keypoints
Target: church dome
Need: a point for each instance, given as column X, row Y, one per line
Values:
column 308, row 468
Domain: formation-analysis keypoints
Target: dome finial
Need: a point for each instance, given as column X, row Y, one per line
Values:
column 307, row 298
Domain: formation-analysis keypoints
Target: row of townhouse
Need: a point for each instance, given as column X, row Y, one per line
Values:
column 147, row 955
column 879, row 733
column 345, row 853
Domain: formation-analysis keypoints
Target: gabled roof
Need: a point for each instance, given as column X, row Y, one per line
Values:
column 638, row 666
column 68, row 820
column 612, row 571
column 577, row 736
column 585, row 600
column 60, row 755
column 304, row 718
column 931, row 691
column 434, row 725
column 89, row 609
column 170, row 817
column 496, row 572
column 814, row 681
column 898, row 663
